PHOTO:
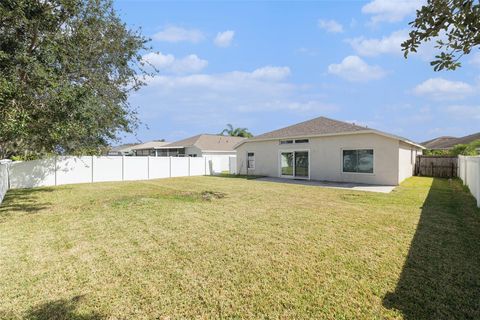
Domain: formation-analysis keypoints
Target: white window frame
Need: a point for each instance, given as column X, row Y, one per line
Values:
column 358, row 148
column 293, row 151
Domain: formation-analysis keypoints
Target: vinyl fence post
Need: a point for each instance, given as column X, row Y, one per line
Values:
column 55, row 168
column 478, row 182
column 465, row 174
column 8, row 176
column 189, row 166
column 123, row 168
column 170, row 167
column 92, row 167
column 148, row 167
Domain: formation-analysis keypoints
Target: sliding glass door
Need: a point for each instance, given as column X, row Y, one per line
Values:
column 286, row 163
column 294, row 164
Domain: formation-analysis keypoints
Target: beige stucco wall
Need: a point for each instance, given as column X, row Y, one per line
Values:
column 326, row 158
column 407, row 156
column 193, row 150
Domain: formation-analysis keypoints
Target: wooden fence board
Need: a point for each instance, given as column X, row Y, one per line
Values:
column 436, row 166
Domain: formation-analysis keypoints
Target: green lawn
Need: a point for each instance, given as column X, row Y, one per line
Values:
column 210, row 247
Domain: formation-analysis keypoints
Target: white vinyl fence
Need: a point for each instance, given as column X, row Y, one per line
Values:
column 68, row 169
column 3, row 180
column 469, row 172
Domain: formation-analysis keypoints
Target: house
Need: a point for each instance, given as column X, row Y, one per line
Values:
column 447, row 143
column 201, row 145
column 149, row 148
column 122, row 150
column 329, row 150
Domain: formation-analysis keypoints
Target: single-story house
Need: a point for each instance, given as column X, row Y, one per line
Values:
column 447, row 143
column 201, row 145
column 148, row 148
column 329, row 150
column 122, row 150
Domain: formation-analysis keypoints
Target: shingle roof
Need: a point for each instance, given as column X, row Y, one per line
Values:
column 150, row 145
column 450, row 142
column 210, row 142
column 318, row 127
column 123, row 147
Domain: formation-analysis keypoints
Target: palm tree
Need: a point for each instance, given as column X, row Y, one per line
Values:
column 236, row 132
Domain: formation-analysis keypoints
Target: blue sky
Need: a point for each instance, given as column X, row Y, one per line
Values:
column 265, row 65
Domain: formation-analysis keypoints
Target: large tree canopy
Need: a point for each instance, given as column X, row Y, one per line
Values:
column 66, row 69
column 454, row 24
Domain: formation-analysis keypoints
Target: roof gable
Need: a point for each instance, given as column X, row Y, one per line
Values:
column 317, row 126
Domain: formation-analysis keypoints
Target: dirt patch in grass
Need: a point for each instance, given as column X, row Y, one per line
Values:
column 165, row 196
column 212, row 195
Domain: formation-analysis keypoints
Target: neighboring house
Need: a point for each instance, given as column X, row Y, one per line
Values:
column 329, row 150
column 201, row 145
column 122, row 150
column 149, row 148
column 447, row 143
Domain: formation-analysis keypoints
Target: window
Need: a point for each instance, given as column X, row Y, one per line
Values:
column 358, row 161
column 294, row 141
column 302, row 141
column 250, row 160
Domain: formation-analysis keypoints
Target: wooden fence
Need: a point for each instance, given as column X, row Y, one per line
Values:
column 436, row 166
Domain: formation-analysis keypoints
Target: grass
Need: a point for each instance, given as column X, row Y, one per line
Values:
column 210, row 247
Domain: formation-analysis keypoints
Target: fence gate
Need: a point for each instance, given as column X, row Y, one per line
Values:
column 436, row 166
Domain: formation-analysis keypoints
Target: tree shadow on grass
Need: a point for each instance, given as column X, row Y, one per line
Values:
column 441, row 276
column 25, row 201
column 61, row 310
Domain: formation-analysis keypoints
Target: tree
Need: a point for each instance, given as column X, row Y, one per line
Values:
column 455, row 24
column 236, row 132
column 470, row 149
column 467, row 149
column 66, row 70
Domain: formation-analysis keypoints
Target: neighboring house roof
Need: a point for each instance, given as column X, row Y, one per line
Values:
column 150, row 145
column 438, row 142
column 207, row 142
column 321, row 126
column 127, row 147
column 450, row 142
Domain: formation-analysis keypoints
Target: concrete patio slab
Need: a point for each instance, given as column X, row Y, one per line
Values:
column 335, row 185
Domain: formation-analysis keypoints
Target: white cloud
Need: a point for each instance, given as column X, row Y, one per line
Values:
column 391, row 10
column 224, row 39
column 178, row 34
column 464, row 112
column 330, row 26
column 374, row 47
column 167, row 62
column 199, row 99
column 266, row 77
column 439, row 88
column 271, row 73
column 354, row 69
